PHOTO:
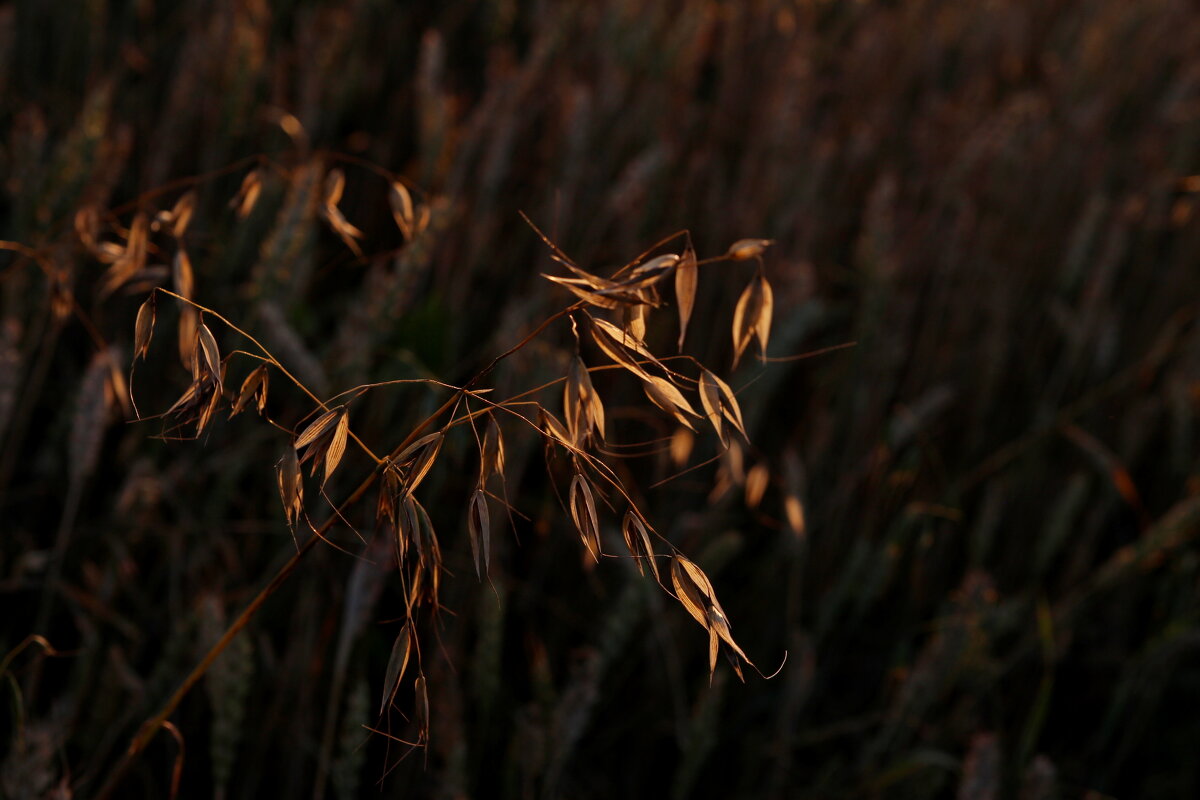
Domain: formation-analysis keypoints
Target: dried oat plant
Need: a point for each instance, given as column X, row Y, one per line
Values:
column 608, row 320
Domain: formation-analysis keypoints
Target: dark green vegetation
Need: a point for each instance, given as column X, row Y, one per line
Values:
column 996, row 589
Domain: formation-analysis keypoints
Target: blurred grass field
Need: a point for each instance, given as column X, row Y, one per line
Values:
column 989, row 208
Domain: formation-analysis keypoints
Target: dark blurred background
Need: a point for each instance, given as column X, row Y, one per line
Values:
column 994, row 591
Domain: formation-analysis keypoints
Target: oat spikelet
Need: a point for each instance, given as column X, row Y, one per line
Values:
column 132, row 257
column 178, row 217
column 687, row 277
column 143, row 329
column 181, row 214
column 682, row 442
column 254, row 386
column 720, row 403
column 324, row 441
column 291, row 486
column 581, row 405
column 402, row 210
column 335, row 182
column 744, row 249
column 695, row 592
column 669, row 399
column 623, row 347
column 637, row 540
column 752, row 317
column 397, row 664
column 492, row 458
column 479, row 527
column 419, row 458
column 756, row 484
column 212, row 355
column 184, row 281
column 337, row 445
column 248, row 193
column 583, row 512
